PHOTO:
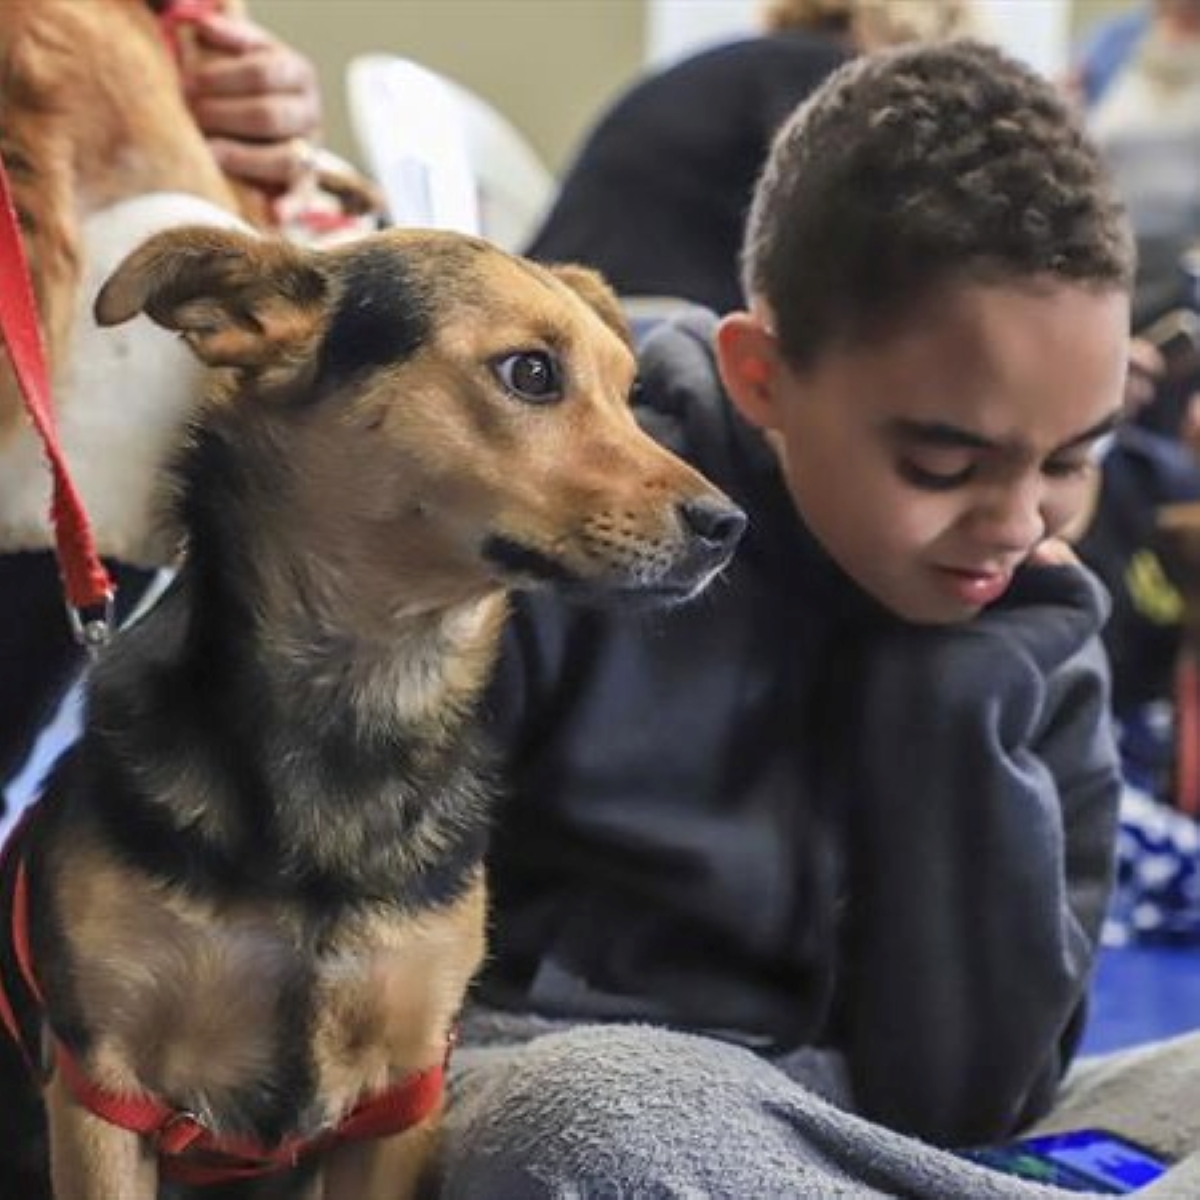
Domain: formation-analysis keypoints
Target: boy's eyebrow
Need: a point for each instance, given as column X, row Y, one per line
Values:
column 940, row 433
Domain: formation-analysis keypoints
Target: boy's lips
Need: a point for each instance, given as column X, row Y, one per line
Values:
column 974, row 587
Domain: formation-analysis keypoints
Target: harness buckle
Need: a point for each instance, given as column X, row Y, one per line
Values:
column 93, row 626
column 178, row 1132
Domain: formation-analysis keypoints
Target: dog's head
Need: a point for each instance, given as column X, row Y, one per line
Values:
column 450, row 408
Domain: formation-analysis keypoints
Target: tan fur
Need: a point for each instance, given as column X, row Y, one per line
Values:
column 390, row 990
column 185, row 991
column 87, row 1154
column 182, row 991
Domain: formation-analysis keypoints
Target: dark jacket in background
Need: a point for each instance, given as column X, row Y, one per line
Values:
column 783, row 817
column 1141, row 472
column 658, row 195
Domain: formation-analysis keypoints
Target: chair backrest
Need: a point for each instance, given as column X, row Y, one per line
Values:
column 411, row 134
column 443, row 156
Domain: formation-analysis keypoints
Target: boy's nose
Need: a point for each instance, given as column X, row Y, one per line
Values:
column 1010, row 519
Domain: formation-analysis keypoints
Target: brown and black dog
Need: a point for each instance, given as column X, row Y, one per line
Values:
column 255, row 890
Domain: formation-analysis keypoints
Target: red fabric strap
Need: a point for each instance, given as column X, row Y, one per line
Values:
column 18, row 932
column 192, row 1154
column 1187, row 731
column 85, row 580
column 12, row 867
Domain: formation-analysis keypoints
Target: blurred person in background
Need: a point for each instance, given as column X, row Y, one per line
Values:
column 657, row 196
column 1139, row 77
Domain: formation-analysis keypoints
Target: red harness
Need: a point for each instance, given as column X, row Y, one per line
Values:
column 189, row 1152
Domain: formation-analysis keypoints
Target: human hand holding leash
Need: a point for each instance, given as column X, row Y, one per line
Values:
column 256, row 99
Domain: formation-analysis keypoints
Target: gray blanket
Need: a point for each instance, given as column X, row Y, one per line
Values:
column 632, row 1113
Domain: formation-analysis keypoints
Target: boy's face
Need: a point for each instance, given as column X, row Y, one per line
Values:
column 931, row 462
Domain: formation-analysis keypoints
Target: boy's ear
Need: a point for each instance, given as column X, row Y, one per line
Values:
column 239, row 300
column 748, row 360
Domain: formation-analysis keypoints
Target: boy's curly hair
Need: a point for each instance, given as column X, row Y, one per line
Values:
column 915, row 168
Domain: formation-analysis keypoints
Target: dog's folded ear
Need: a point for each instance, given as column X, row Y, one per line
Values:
column 238, row 299
column 592, row 287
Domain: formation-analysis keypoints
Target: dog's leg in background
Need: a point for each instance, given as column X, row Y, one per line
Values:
column 91, row 1159
column 388, row 1169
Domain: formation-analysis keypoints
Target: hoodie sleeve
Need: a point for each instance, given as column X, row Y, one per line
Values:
column 981, row 861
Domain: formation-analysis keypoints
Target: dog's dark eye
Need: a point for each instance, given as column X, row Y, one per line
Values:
column 531, row 375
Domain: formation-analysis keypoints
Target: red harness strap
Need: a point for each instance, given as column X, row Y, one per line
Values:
column 189, row 1152
column 1187, row 731
column 19, row 993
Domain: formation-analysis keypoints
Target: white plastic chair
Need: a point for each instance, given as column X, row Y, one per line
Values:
column 443, row 156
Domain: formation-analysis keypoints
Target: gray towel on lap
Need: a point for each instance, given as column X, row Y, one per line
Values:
column 630, row 1112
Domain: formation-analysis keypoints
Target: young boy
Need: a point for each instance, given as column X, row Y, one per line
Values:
column 851, row 811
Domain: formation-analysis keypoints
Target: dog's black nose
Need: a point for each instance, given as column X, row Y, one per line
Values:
column 717, row 524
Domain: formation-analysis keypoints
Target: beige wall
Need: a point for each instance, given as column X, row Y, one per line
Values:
column 1085, row 13
column 547, row 64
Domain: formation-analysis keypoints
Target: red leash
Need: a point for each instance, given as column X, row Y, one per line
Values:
column 89, row 590
column 1187, row 731
column 190, row 1153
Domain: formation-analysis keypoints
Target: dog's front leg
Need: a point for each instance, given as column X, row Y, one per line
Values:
column 382, row 1169
column 91, row 1159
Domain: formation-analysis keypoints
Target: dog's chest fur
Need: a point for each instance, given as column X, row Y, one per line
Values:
column 254, row 1014
column 260, row 901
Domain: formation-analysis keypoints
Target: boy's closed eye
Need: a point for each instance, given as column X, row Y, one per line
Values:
column 937, row 471
column 1075, row 467
column 938, row 457
column 941, row 471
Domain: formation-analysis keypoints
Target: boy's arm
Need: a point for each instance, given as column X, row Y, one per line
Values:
column 982, row 863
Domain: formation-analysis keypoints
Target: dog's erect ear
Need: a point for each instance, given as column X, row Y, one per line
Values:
column 239, row 300
column 591, row 286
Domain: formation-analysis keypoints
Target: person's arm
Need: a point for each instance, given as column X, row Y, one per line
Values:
column 982, row 862
column 256, row 99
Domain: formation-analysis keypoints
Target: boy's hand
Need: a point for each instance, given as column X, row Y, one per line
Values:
column 1053, row 552
column 256, row 100
column 1146, row 369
